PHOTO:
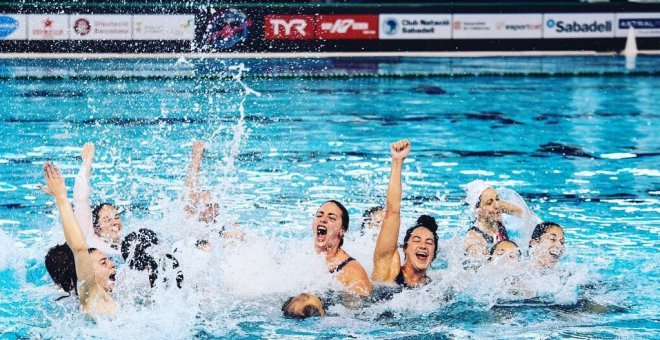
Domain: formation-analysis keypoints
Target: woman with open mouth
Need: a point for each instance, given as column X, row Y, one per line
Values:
column 420, row 242
column 95, row 273
column 329, row 226
column 547, row 245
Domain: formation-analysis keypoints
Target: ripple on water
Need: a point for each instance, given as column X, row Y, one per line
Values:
column 6, row 187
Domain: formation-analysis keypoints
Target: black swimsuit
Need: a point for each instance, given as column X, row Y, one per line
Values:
column 342, row 265
column 501, row 233
column 401, row 281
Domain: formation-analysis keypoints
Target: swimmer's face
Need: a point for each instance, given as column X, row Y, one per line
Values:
column 477, row 249
column 420, row 249
column 109, row 223
column 104, row 270
column 376, row 219
column 489, row 206
column 506, row 253
column 327, row 227
column 297, row 306
column 549, row 249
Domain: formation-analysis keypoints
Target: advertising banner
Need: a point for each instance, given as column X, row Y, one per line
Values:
column 414, row 26
column 289, row 27
column 48, row 27
column 339, row 27
column 164, row 27
column 101, row 27
column 226, row 28
column 498, row 26
column 13, row 27
column 578, row 25
column 645, row 24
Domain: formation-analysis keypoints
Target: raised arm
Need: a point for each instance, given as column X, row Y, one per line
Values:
column 192, row 181
column 511, row 209
column 72, row 233
column 387, row 261
column 82, row 209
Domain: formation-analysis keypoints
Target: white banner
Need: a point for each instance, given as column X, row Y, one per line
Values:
column 645, row 24
column 498, row 26
column 414, row 26
column 164, row 27
column 13, row 27
column 578, row 25
column 48, row 27
column 101, row 27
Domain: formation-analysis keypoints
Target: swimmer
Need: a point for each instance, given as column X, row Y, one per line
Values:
column 504, row 253
column 199, row 203
column 329, row 226
column 372, row 219
column 102, row 225
column 420, row 242
column 138, row 251
column 547, row 245
column 485, row 203
column 61, row 266
column 303, row 306
column 95, row 273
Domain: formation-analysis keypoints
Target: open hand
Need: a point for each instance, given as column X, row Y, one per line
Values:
column 54, row 181
column 87, row 153
column 400, row 149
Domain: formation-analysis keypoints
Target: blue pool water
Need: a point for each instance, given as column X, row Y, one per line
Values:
column 577, row 137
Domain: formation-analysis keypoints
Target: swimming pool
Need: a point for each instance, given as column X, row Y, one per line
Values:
column 576, row 136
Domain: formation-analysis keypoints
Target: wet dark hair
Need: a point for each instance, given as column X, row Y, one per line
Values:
column 366, row 216
column 136, row 244
column 424, row 221
column 541, row 229
column 61, row 267
column 344, row 218
column 307, row 312
column 492, row 250
column 96, row 212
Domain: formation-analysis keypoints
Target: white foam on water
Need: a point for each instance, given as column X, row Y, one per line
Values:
column 621, row 155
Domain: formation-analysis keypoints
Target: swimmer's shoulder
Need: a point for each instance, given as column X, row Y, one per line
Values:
column 95, row 301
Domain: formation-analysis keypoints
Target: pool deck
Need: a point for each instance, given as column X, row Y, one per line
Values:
column 310, row 55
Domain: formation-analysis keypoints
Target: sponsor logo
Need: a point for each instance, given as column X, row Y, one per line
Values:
column 82, row 26
column 502, row 25
column 8, row 25
column 576, row 27
column 289, row 27
column 471, row 25
column 228, row 28
column 347, row 27
column 390, row 26
column 47, row 30
column 639, row 23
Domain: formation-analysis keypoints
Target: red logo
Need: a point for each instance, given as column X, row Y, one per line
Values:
column 347, row 27
column 82, row 26
column 289, row 27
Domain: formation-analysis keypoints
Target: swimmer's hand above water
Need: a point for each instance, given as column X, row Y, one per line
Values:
column 400, row 149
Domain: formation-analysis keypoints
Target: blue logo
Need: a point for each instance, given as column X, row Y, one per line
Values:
column 550, row 23
column 390, row 26
column 639, row 23
column 8, row 25
column 228, row 28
